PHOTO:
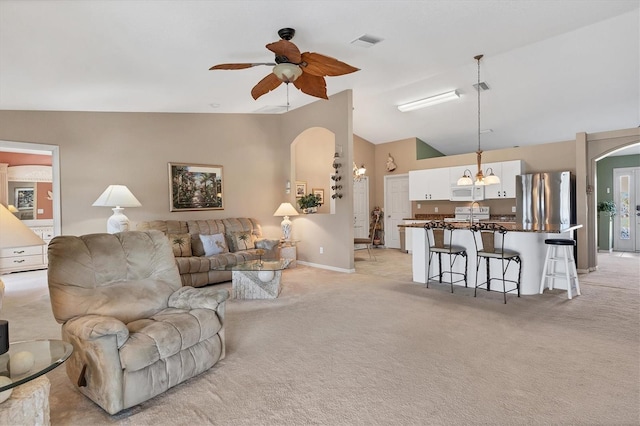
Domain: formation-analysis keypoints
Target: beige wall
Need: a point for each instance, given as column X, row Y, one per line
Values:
column 98, row 149
column 364, row 152
column 331, row 232
column 313, row 152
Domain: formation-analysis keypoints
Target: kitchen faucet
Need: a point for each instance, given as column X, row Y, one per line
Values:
column 471, row 211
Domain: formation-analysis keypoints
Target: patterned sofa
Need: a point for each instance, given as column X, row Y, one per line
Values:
column 202, row 246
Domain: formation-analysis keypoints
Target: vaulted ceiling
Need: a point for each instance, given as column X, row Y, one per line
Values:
column 554, row 68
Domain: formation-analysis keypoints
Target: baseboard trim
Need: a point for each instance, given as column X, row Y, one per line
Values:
column 330, row 268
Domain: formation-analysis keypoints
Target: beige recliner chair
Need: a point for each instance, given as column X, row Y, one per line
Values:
column 135, row 330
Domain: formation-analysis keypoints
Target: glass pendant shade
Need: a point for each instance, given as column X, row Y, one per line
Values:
column 287, row 72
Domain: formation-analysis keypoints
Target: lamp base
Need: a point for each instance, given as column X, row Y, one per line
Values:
column 286, row 228
column 118, row 222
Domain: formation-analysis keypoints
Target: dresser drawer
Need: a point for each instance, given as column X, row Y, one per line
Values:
column 21, row 262
column 20, row 251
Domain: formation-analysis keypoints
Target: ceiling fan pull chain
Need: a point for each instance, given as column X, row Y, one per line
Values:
column 287, row 96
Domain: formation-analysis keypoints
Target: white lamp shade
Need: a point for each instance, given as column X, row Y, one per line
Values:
column 286, row 209
column 117, row 196
column 491, row 179
column 14, row 233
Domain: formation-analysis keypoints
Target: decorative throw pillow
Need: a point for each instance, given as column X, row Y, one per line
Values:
column 242, row 240
column 213, row 244
column 181, row 244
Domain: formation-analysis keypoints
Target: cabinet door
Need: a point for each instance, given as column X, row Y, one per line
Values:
column 419, row 185
column 439, row 186
column 492, row 192
column 510, row 169
column 507, row 172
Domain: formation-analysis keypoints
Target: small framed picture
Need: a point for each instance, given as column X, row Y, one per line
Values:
column 301, row 189
column 24, row 198
column 319, row 192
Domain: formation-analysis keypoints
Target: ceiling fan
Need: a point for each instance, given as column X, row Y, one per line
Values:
column 305, row 70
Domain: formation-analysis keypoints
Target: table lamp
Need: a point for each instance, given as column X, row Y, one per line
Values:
column 14, row 234
column 286, row 210
column 118, row 197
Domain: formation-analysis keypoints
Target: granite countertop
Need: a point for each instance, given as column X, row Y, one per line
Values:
column 494, row 218
column 511, row 226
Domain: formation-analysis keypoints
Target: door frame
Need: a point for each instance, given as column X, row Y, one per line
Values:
column 37, row 148
column 386, row 203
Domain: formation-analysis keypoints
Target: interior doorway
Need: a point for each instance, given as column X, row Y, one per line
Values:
column 42, row 149
column 397, row 207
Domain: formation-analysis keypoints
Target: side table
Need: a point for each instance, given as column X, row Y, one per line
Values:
column 29, row 401
column 288, row 251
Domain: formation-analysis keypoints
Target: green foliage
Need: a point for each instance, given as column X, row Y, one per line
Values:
column 309, row 200
column 607, row 207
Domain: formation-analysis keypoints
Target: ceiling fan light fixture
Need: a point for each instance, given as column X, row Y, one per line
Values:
column 431, row 100
column 287, row 72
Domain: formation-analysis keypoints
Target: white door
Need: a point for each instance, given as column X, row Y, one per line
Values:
column 626, row 196
column 361, row 208
column 396, row 207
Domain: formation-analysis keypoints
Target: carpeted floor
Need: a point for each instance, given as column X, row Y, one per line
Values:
column 373, row 348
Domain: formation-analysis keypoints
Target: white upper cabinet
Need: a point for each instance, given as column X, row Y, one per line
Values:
column 429, row 184
column 507, row 172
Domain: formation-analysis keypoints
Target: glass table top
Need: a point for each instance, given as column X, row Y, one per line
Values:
column 258, row 265
column 46, row 355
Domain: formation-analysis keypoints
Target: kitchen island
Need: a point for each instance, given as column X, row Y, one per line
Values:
column 527, row 240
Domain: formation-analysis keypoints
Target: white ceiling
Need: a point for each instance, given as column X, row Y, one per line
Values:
column 555, row 68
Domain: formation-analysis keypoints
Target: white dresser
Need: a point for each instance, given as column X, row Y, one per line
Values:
column 27, row 258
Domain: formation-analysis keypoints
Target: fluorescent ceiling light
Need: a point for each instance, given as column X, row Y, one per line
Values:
column 432, row 100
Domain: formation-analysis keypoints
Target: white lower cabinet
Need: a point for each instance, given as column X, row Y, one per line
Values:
column 19, row 259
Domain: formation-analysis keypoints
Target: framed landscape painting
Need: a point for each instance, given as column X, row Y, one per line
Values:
column 195, row 187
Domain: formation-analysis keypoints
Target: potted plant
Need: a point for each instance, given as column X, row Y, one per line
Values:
column 608, row 207
column 605, row 234
column 309, row 203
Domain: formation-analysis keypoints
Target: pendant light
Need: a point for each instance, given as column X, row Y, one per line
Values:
column 480, row 179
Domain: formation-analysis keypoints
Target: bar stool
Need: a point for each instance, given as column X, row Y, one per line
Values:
column 570, row 272
column 435, row 234
column 486, row 249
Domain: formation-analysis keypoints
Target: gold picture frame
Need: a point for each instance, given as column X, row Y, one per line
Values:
column 301, row 189
column 320, row 192
column 195, row 187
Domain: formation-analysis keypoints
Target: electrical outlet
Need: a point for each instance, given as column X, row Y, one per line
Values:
column 435, row 209
column 419, row 206
column 513, row 209
column 321, row 250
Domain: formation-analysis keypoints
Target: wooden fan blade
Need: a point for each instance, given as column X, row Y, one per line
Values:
column 265, row 85
column 239, row 66
column 287, row 49
column 322, row 65
column 312, row 85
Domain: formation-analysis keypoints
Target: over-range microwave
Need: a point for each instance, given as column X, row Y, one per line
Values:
column 467, row 193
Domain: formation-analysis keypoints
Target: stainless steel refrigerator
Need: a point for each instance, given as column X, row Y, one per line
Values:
column 545, row 199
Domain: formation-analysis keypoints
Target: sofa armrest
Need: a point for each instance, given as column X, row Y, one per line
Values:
column 93, row 327
column 267, row 244
column 198, row 298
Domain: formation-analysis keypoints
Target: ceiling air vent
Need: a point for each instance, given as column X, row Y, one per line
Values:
column 483, row 86
column 366, row 40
